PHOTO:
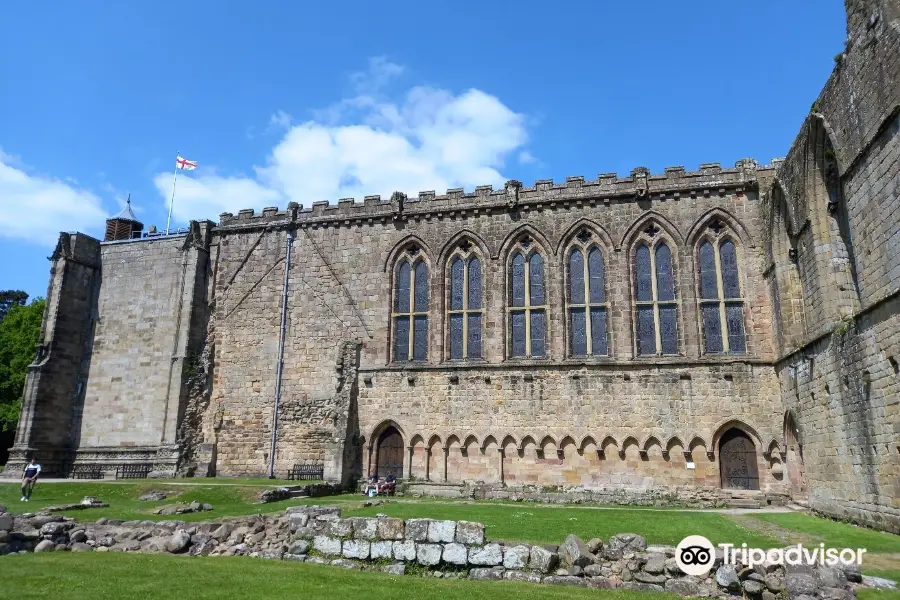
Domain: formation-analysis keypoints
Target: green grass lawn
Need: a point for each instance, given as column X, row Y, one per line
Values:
column 227, row 500
column 835, row 534
column 550, row 524
column 65, row 575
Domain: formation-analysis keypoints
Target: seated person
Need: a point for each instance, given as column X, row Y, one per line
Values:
column 371, row 485
column 387, row 487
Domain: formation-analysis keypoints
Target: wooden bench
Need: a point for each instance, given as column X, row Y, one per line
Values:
column 87, row 472
column 133, row 471
column 307, row 473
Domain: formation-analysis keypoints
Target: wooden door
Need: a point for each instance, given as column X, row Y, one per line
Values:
column 737, row 460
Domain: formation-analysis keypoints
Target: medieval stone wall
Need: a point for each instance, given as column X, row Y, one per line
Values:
column 560, row 420
column 838, row 186
column 127, row 393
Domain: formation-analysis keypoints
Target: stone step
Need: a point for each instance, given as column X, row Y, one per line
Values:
column 743, row 503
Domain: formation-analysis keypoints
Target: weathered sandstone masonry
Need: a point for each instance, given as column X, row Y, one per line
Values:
column 448, row 549
column 680, row 333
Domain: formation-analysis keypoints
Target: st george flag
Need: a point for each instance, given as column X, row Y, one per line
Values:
column 183, row 163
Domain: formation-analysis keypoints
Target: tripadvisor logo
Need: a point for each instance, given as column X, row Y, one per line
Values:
column 695, row 555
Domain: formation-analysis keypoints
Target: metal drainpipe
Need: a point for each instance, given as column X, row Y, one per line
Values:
column 279, row 367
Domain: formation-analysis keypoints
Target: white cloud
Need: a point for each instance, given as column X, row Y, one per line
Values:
column 280, row 121
column 207, row 197
column 526, row 157
column 35, row 208
column 428, row 139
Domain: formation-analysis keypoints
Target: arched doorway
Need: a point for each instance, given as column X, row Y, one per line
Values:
column 793, row 456
column 389, row 453
column 737, row 461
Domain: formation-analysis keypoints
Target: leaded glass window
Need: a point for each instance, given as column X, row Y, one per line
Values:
column 587, row 299
column 465, row 313
column 410, row 313
column 656, row 299
column 721, row 302
column 527, row 305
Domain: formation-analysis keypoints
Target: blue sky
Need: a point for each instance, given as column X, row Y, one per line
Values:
column 283, row 101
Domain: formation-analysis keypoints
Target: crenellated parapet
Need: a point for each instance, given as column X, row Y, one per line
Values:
column 673, row 184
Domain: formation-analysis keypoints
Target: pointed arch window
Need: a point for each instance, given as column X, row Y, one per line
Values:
column 410, row 313
column 527, row 305
column 656, row 303
column 588, row 308
column 721, row 301
column 465, row 313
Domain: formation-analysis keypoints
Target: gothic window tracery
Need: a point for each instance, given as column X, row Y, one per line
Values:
column 527, row 303
column 465, row 312
column 588, row 308
column 721, row 300
column 656, row 303
column 410, row 314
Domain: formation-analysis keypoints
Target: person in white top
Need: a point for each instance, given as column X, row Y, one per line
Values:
column 29, row 478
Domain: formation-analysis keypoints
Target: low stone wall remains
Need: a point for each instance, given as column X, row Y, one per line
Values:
column 447, row 549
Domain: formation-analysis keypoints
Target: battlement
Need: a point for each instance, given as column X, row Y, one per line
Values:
column 674, row 183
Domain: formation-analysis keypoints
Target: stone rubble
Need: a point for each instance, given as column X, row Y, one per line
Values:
column 448, row 549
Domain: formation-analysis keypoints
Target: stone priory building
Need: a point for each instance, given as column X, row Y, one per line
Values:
column 710, row 334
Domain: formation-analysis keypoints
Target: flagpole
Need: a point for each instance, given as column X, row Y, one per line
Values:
column 172, row 201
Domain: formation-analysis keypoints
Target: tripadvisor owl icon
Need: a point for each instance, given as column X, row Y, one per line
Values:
column 695, row 555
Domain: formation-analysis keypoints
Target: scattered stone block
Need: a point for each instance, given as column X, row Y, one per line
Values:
column 179, row 542
column 627, row 542
column 798, row 584
column 682, row 587
column 390, row 529
column 429, row 554
column 753, row 588
column 405, row 550
column 327, row 545
column 417, row 529
column 522, row 576
column 516, row 557
column 382, row 549
column 656, row 564
column 365, row 528
column 340, row 528
column 565, row 580
column 543, row 560
column 574, row 552
column 356, row 549
column 45, row 546
column 456, row 554
column 469, row 533
column 490, row 555
column 395, row 569
column 441, row 531
column 484, row 574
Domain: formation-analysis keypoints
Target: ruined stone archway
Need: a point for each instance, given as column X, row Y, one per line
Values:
column 389, row 453
column 738, row 461
column 793, row 458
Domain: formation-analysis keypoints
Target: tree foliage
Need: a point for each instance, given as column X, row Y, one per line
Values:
column 19, row 331
column 10, row 298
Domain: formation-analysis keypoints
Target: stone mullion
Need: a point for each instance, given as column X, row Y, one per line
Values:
column 655, row 302
column 720, row 294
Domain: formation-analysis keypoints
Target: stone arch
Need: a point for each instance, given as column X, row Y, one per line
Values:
column 734, row 224
column 827, row 213
column 509, row 439
column 387, row 450
column 391, row 260
column 785, row 280
column 651, row 216
column 739, row 463
column 525, row 441
column 727, row 424
column 513, row 237
column 457, row 238
column 435, row 439
column 793, row 459
column 585, row 440
column 490, row 439
column 471, row 440
column 699, row 442
column 627, row 443
column 584, row 223
column 651, row 231
column 609, row 442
